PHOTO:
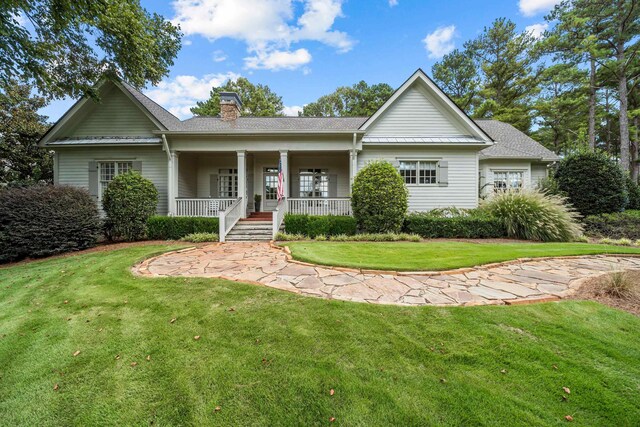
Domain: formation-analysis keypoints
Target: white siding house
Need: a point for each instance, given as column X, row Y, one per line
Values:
column 213, row 166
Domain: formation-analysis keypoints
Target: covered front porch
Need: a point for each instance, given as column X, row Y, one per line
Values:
column 206, row 184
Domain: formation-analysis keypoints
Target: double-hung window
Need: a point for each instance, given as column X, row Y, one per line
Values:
column 109, row 170
column 507, row 180
column 419, row 172
column 314, row 183
column 228, row 183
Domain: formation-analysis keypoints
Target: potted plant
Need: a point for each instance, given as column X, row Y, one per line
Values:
column 256, row 202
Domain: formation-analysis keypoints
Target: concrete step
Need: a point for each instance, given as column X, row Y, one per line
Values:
column 231, row 238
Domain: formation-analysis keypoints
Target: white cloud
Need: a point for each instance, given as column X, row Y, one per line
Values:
column 181, row 93
column 278, row 60
column 533, row 7
column 268, row 27
column 219, row 56
column 440, row 42
column 537, row 30
column 292, row 110
column 393, row 3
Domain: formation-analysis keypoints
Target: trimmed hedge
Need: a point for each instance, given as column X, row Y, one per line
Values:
column 469, row 227
column 614, row 226
column 176, row 227
column 41, row 221
column 312, row 226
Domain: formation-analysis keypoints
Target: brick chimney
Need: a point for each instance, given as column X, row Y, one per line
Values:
column 230, row 106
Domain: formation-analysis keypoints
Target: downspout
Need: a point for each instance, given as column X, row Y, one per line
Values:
column 171, row 200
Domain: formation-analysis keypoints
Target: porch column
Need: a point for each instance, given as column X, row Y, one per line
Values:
column 353, row 167
column 172, row 183
column 242, row 181
column 284, row 160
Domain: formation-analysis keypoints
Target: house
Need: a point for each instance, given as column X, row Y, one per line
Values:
column 213, row 166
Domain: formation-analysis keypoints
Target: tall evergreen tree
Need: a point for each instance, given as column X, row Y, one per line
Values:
column 257, row 99
column 457, row 75
column 359, row 100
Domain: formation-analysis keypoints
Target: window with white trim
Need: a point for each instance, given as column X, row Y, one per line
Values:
column 109, row 170
column 507, row 180
column 419, row 172
column 314, row 183
column 228, row 183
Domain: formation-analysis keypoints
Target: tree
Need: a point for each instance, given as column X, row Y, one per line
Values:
column 64, row 47
column 257, row 99
column 560, row 107
column 506, row 59
column 359, row 100
column 21, row 127
column 457, row 75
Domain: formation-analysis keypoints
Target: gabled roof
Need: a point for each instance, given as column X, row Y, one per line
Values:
column 168, row 120
column 432, row 87
column 272, row 124
column 512, row 143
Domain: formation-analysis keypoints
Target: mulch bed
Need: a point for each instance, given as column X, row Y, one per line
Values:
column 593, row 290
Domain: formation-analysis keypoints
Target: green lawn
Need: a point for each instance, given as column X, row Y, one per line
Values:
column 436, row 255
column 268, row 357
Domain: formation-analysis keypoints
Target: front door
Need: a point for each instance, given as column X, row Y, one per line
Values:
column 270, row 195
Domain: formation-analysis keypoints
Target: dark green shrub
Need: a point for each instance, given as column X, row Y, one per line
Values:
column 593, row 183
column 46, row 220
column 379, row 198
column 633, row 190
column 312, row 226
column 129, row 201
column 533, row 215
column 432, row 226
column 619, row 225
column 176, row 227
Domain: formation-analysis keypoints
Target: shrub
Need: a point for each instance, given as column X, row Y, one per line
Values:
column 533, row 215
column 201, row 237
column 288, row 237
column 129, row 201
column 46, row 220
column 614, row 226
column 472, row 226
column 176, row 227
column 633, row 190
column 593, row 183
column 313, row 226
column 379, row 198
column 376, row 237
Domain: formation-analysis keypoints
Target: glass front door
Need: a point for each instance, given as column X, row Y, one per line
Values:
column 270, row 195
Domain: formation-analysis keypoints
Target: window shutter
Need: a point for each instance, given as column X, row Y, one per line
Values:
column 93, row 179
column 443, row 173
column 333, row 185
column 137, row 166
column 295, row 186
column 213, row 186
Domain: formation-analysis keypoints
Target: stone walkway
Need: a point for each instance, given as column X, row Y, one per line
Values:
column 507, row 283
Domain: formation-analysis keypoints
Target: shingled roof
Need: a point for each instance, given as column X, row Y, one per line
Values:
column 273, row 124
column 512, row 143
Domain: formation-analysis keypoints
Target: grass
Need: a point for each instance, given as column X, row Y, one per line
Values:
column 436, row 255
column 267, row 357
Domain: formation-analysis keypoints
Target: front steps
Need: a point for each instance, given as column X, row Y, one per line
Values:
column 251, row 230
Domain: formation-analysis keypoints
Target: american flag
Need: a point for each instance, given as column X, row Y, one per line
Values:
column 280, row 182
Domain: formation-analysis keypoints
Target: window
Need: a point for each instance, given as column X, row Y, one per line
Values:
column 109, row 170
column 228, row 183
column 507, row 180
column 314, row 183
column 419, row 172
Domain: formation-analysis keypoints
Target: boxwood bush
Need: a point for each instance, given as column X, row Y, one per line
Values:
column 379, row 198
column 614, row 226
column 46, row 220
column 633, row 190
column 312, row 225
column 129, row 201
column 473, row 226
column 176, row 227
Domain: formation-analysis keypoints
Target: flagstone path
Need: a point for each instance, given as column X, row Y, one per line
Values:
column 506, row 283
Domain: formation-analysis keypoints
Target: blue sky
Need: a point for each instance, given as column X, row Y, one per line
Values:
column 304, row 49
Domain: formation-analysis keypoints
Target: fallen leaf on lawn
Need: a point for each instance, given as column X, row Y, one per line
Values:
column 134, row 364
column 568, row 418
column 504, row 371
column 173, row 320
column 232, row 309
column 76, row 353
column 149, row 358
column 126, row 302
column 566, row 390
column 565, row 397
column 555, row 367
column 332, row 392
column 442, row 380
column 217, row 409
column 56, row 387
column 66, row 302
column 197, row 337
column 117, row 357
column 100, row 330
column 332, row 419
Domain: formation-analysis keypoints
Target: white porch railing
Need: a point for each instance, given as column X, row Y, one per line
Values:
column 201, row 207
column 229, row 217
column 278, row 216
column 335, row 206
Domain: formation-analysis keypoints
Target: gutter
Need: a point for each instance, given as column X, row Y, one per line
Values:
column 257, row 133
